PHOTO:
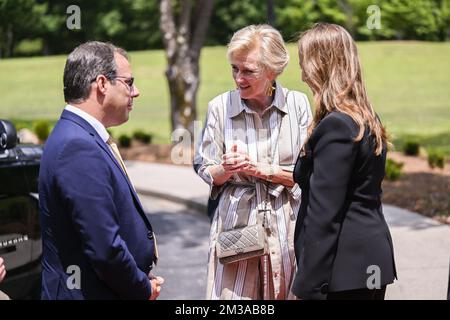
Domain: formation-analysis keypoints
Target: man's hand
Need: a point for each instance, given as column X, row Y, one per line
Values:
column 2, row 270
column 156, row 283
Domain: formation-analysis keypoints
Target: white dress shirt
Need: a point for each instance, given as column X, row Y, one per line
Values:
column 98, row 126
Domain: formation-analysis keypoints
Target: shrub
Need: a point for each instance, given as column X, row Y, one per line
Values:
column 411, row 148
column 124, row 141
column 42, row 129
column 436, row 158
column 142, row 136
column 19, row 125
column 393, row 169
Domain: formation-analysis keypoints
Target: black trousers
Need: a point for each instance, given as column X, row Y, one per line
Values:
column 358, row 294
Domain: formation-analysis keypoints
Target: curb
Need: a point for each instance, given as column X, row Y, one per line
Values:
column 192, row 204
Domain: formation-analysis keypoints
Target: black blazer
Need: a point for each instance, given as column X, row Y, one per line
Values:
column 340, row 230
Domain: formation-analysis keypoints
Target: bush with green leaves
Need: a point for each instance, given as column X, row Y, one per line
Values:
column 393, row 169
column 124, row 141
column 19, row 125
column 42, row 129
column 142, row 136
column 411, row 148
column 436, row 158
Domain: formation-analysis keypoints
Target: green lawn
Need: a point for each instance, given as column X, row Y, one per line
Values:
column 408, row 83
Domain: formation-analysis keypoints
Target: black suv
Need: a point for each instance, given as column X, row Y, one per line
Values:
column 20, row 235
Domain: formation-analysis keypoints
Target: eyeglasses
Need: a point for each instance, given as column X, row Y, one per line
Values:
column 129, row 81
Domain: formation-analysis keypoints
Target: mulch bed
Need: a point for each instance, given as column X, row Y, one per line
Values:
column 149, row 153
column 424, row 193
column 420, row 189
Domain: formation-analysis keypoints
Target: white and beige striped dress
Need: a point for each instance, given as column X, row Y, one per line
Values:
column 276, row 137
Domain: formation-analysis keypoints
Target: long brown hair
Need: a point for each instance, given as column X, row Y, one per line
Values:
column 331, row 68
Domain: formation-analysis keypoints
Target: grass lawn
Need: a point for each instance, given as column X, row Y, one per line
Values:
column 408, row 83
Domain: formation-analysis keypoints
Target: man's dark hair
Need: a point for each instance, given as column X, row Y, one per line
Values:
column 84, row 64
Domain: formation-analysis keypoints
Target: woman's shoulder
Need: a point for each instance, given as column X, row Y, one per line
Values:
column 298, row 96
column 223, row 97
column 221, row 100
column 297, row 100
column 336, row 115
column 340, row 123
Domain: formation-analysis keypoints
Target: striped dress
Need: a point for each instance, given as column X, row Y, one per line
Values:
column 275, row 137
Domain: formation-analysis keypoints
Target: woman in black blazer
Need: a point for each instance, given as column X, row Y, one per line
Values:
column 342, row 242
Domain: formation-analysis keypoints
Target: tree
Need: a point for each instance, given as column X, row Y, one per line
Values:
column 126, row 23
column 347, row 8
column 230, row 16
column 295, row 16
column 445, row 22
column 18, row 20
column 271, row 12
column 410, row 19
column 183, row 43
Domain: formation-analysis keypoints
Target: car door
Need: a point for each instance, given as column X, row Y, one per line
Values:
column 20, row 245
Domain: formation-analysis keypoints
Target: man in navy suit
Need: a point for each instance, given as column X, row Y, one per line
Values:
column 97, row 240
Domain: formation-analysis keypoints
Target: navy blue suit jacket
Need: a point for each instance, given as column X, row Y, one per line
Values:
column 92, row 220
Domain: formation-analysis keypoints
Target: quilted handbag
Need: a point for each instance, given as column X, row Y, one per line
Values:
column 241, row 244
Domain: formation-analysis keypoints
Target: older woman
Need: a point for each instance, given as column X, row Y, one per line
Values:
column 251, row 139
column 342, row 242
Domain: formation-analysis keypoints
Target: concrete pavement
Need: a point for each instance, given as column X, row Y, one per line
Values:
column 422, row 255
column 176, row 183
column 422, row 245
column 183, row 245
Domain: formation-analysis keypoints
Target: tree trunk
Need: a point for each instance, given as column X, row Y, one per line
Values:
column 271, row 13
column 9, row 42
column 183, row 43
column 348, row 10
column 183, row 83
column 46, row 47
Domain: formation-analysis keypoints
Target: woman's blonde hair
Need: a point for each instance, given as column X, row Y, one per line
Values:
column 331, row 68
column 272, row 50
